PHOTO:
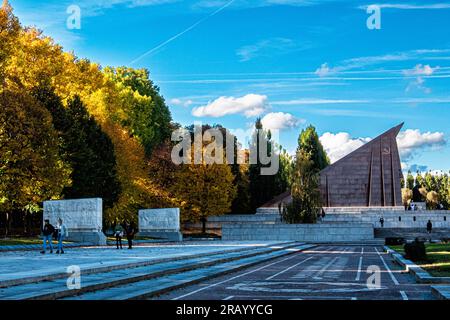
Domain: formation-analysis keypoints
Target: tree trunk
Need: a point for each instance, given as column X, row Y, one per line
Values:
column 204, row 225
column 6, row 224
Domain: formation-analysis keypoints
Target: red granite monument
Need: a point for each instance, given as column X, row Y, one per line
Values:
column 368, row 177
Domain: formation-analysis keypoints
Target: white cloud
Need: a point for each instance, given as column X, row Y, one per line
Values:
column 411, row 141
column 309, row 101
column 268, row 47
column 419, row 83
column 250, row 105
column 359, row 63
column 340, row 144
column 324, row 70
column 181, row 102
column 411, row 6
column 421, row 70
column 280, row 121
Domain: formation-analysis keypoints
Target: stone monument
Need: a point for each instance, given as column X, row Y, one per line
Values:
column 83, row 218
column 368, row 177
column 160, row 223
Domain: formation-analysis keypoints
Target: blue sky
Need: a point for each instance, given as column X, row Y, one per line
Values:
column 291, row 62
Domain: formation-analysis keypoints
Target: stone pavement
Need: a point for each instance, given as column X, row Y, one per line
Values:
column 29, row 247
column 324, row 272
column 16, row 265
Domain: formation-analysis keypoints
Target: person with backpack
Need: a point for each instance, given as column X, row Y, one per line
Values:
column 62, row 234
column 118, row 232
column 47, row 235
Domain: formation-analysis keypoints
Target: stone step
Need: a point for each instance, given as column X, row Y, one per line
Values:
column 441, row 292
column 57, row 288
column 48, row 275
column 160, row 285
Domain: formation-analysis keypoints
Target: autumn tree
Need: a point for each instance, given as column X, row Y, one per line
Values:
column 31, row 169
column 85, row 147
column 9, row 29
column 407, row 195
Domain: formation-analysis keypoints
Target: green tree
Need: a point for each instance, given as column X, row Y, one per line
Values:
column 410, row 181
column 85, row 147
column 144, row 110
column 91, row 154
column 309, row 142
column 306, row 202
column 262, row 188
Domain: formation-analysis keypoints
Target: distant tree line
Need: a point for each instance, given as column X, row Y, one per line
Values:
column 432, row 188
column 72, row 129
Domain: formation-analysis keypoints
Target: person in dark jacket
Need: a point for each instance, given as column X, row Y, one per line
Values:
column 382, row 222
column 429, row 226
column 130, row 231
column 47, row 234
column 118, row 232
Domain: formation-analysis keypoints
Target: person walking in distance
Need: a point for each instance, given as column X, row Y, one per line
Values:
column 47, row 234
column 130, row 231
column 118, row 232
column 429, row 226
column 382, row 222
column 63, row 233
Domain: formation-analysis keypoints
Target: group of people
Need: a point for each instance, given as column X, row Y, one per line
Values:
column 60, row 232
column 429, row 225
column 49, row 232
column 127, row 230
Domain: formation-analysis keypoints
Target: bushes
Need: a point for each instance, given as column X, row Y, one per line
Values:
column 415, row 251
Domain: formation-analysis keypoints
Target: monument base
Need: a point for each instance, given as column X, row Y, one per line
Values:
column 96, row 238
column 169, row 236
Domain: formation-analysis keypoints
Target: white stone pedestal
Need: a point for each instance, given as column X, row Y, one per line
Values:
column 160, row 223
column 82, row 217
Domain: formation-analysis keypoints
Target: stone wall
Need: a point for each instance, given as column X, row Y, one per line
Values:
column 215, row 223
column 316, row 233
column 394, row 218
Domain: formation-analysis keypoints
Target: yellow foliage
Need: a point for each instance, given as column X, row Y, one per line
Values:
column 407, row 195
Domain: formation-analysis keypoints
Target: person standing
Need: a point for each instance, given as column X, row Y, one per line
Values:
column 382, row 222
column 47, row 234
column 62, row 234
column 429, row 226
column 130, row 230
column 118, row 231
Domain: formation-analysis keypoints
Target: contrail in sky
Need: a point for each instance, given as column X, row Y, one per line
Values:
column 181, row 33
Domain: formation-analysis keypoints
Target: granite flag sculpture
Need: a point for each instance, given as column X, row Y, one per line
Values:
column 368, row 177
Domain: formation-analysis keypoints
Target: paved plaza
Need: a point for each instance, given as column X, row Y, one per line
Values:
column 323, row 272
column 213, row 270
column 20, row 264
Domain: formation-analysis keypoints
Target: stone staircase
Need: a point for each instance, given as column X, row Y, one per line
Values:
column 146, row 279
